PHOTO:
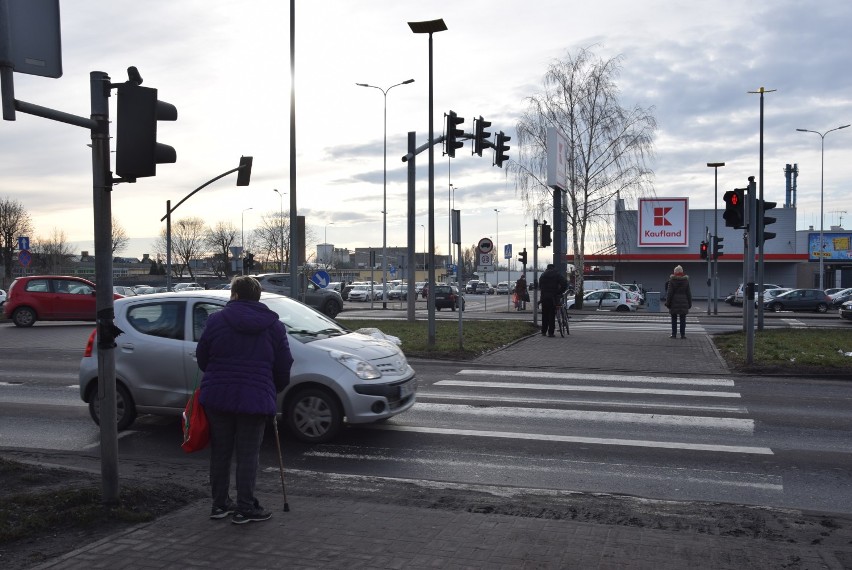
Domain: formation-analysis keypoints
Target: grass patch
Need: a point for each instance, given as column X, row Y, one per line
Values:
column 478, row 337
column 795, row 349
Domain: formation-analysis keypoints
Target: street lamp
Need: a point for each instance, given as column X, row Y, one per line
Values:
column 281, row 221
column 496, row 241
column 715, row 166
column 821, row 187
column 325, row 239
column 385, row 194
column 424, row 246
column 430, row 27
column 243, row 239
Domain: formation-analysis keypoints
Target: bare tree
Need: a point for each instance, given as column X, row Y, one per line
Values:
column 267, row 238
column 219, row 240
column 187, row 244
column 14, row 223
column 119, row 237
column 609, row 146
column 52, row 253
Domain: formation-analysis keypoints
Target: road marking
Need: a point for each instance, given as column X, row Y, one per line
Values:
column 612, row 389
column 734, row 424
column 574, row 439
column 600, row 377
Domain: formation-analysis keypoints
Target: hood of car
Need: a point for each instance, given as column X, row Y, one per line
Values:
column 366, row 347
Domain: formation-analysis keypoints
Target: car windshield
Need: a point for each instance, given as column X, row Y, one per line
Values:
column 303, row 322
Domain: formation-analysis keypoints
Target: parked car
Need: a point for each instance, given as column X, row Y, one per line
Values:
column 398, row 293
column 188, row 286
column 502, row 288
column 637, row 289
column 144, row 289
column 471, row 286
column 841, row 297
column 418, row 287
column 845, row 310
column 123, row 291
column 622, row 301
column 738, row 294
column 2, row 297
column 344, row 293
column 360, row 293
column 770, row 294
column 832, row 290
column 484, row 288
column 800, row 300
column 337, row 375
column 327, row 302
column 448, row 297
column 50, row 298
column 335, row 286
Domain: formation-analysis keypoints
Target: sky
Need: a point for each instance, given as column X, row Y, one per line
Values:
column 225, row 65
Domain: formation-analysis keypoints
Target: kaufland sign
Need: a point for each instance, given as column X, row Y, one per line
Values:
column 663, row 222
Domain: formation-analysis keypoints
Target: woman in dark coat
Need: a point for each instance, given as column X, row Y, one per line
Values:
column 678, row 300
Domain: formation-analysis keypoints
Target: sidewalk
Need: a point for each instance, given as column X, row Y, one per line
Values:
column 334, row 533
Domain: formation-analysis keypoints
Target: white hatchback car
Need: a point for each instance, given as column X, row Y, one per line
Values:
column 337, row 375
column 609, row 299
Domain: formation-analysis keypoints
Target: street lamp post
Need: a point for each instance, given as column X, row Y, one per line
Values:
column 243, row 240
column 821, row 194
column 325, row 240
column 715, row 166
column 281, row 221
column 385, row 194
column 496, row 250
column 424, row 245
column 430, row 27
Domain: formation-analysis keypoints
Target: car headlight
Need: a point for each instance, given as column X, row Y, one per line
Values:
column 360, row 367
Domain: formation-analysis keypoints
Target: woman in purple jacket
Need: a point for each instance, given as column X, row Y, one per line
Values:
column 246, row 361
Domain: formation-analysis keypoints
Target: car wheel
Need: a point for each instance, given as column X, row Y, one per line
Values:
column 821, row 308
column 125, row 409
column 777, row 307
column 24, row 317
column 313, row 415
column 331, row 309
column 622, row 309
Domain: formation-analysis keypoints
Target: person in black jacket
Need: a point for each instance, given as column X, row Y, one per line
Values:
column 551, row 285
column 678, row 300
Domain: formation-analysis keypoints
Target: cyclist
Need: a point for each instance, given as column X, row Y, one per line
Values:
column 552, row 285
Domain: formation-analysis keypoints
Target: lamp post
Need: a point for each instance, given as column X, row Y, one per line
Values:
column 821, row 187
column 715, row 166
column 451, row 203
column 243, row 239
column 281, row 221
column 385, row 193
column 325, row 240
column 496, row 241
column 430, row 27
column 424, row 245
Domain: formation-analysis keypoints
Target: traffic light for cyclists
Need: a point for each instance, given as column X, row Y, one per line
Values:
column 734, row 208
column 703, row 250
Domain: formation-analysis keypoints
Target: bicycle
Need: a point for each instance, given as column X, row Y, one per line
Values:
column 562, row 317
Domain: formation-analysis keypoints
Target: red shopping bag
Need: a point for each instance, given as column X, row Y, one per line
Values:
column 196, row 430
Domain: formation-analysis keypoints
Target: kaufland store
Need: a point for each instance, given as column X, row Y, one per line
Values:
column 664, row 232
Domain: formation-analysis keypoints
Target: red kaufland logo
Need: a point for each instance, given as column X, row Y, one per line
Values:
column 660, row 216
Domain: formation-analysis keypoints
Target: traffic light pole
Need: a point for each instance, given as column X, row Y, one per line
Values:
column 748, row 294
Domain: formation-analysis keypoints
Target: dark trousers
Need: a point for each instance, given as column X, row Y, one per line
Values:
column 548, row 315
column 243, row 434
column 682, row 317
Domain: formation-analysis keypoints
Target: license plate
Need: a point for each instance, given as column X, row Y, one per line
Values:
column 407, row 389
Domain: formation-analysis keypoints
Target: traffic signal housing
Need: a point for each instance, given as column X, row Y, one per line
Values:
column 717, row 246
column 481, row 136
column 244, row 173
column 764, row 220
column 502, row 149
column 703, row 250
column 137, row 152
column 454, row 134
column 522, row 256
column 546, row 235
column 734, row 208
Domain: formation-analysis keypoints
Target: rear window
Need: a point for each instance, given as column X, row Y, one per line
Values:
column 159, row 319
column 38, row 285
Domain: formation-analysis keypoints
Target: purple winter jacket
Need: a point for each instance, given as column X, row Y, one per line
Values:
column 245, row 357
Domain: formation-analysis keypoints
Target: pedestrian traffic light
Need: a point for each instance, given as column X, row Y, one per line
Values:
column 453, row 134
column 137, row 152
column 734, row 208
column 703, row 250
column 522, row 256
column 481, row 136
column 764, row 220
column 717, row 246
column 546, row 238
column 244, row 173
column 502, row 148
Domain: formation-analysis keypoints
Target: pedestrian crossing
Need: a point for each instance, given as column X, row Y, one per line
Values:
column 660, row 324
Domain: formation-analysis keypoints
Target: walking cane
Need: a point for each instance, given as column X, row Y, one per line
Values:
column 280, row 461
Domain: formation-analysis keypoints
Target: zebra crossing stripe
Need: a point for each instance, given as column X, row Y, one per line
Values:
column 578, row 388
column 599, row 377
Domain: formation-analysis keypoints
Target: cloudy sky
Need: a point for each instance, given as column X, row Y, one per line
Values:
column 225, row 65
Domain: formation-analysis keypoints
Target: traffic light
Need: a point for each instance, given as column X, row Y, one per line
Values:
column 502, row 148
column 137, row 152
column 546, row 239
column 244, row 173
column 481, row 136
column 703, row 250
column 248, row 262
column 454, row 134
column 717, row 246
column 734, row 208
column 522, row 256
column 764, row 220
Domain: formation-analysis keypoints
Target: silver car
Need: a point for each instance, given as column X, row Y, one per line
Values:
column 326, row 301
column 336, row 373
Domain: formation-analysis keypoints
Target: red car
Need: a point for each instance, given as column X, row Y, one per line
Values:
column 50, row 298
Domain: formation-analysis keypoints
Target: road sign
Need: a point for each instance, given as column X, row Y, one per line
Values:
column 485, row 245
column 507, row 251
column 23, row 242
column 321, row 278
column 25, row 257
column 392, row 270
